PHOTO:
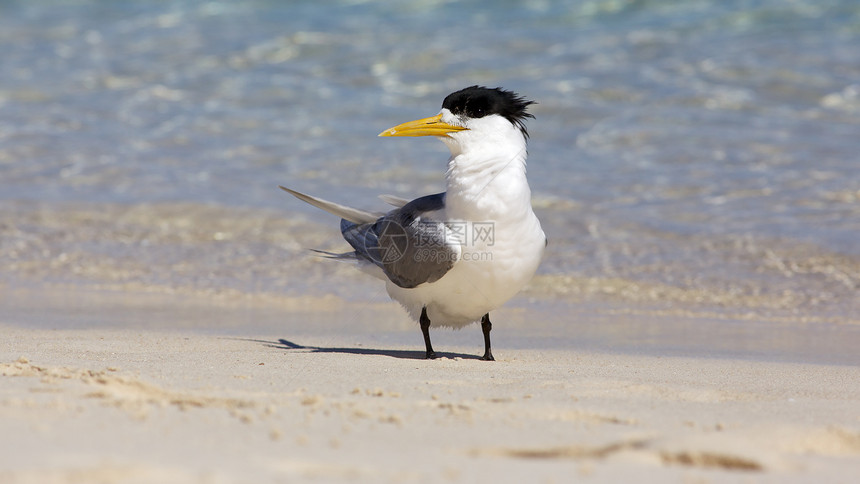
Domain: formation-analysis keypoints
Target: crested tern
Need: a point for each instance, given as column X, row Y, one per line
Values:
column 452, row 257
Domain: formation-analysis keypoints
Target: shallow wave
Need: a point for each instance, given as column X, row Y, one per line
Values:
column 262, row 255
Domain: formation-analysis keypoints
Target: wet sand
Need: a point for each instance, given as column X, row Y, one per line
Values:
column 345, row 396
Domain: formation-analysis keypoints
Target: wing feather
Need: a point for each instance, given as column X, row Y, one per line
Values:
column 352, row 214
column 407, row 243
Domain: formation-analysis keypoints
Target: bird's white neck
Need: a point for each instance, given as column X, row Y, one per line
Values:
column 486, row 177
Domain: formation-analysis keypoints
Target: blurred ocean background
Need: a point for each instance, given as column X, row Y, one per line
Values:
column 697, row 157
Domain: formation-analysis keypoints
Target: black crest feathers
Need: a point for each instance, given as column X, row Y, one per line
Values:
column 479, row 101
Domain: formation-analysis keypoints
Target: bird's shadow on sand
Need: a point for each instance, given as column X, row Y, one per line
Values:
column 285, row 344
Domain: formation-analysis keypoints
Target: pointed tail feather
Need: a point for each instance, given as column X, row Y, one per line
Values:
column 394, row 200
column 334, row 255
column 352, row 214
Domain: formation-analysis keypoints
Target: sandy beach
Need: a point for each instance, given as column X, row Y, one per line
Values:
column 350, row 399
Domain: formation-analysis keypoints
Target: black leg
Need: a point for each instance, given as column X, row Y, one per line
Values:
column 486, row 327
column 424, row 321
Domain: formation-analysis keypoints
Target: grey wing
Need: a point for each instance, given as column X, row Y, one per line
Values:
column 408, row 245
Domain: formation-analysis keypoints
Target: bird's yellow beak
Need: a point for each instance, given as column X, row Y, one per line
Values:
column 432, row 126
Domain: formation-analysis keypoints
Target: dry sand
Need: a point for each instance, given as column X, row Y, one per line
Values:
column 352, row 401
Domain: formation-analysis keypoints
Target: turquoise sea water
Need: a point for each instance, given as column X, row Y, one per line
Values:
column 700, row 155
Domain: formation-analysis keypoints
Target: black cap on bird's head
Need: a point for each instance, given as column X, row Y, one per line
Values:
column 470, row 103
column 480, row 101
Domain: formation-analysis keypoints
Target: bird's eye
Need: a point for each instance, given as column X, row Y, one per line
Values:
column 478, row 108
